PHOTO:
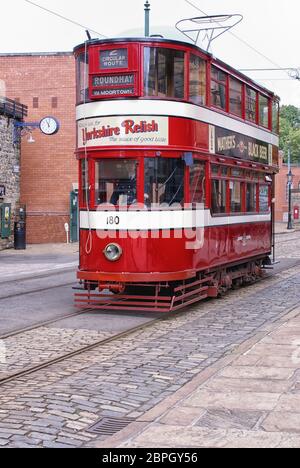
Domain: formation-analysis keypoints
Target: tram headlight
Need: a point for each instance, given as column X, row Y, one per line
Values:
column 113, row 252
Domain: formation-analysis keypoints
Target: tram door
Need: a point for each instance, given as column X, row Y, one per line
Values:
column 74, row 217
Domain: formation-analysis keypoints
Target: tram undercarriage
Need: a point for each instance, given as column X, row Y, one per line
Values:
column 167, row 297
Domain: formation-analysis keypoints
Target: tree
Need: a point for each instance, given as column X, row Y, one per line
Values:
column 290, row 132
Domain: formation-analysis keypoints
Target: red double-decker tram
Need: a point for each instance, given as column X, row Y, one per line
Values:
column 177, row 157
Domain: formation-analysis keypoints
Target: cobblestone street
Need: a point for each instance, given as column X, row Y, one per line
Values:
column 127, row 377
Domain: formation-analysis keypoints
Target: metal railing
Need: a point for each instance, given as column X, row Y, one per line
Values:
column 13, row 108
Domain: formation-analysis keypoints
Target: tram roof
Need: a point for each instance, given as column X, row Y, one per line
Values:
column 161, row 40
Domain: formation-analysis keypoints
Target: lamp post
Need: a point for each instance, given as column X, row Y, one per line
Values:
column 290, row 183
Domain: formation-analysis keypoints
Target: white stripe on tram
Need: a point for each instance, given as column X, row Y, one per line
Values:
column 154, row 220
column 172, row 109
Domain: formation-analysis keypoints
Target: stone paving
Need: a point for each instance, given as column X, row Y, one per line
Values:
column 38, row 346
column 252, row 401
column 55, row 406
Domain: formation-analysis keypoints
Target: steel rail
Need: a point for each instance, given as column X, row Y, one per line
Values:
column 102, row 342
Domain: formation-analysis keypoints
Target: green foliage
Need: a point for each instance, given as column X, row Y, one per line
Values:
column 290, row 132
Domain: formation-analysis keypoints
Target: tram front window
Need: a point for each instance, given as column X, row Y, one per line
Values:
column 116, row 182
column 164, row 182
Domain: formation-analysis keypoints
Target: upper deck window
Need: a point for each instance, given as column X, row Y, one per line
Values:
column 218, row 88
column 82, row 78
column 164, row 73
column 197, row 80
column 251, row 100
column 275, row 117
column 235, row 97
column 263, row 111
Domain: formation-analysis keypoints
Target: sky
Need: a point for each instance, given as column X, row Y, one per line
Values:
column 271, row 27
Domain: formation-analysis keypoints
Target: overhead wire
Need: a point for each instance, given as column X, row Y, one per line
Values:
column 58, row 15
column 241, row 40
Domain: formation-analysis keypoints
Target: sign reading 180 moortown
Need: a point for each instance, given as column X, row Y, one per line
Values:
column 232, row 144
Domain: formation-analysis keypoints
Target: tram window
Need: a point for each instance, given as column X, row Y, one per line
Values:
column 218, row 202
column 116, row 182
column 164, row 181
column 218, row 88
column 85, row 181
column 82, row 70
column 224, row 171
column 235, row 97
column 275, row 117
column 215, row 170
column 263, row 111
column 197, row 80
column 235, row 197
column 263, row 198
column 164, row 72
column 197, row 182
column 251, row 198
column 251, row 99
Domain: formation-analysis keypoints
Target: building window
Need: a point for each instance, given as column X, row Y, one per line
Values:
column 164, row 73
column 263, row 111
column 218, row 202
column 197, row 80
column 54, row 102
column 235, row 97
column 35, row 103
column 218, row 88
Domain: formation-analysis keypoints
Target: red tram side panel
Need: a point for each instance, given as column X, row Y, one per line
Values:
column 177, row 157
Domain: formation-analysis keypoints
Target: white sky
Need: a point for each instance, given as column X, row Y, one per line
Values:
column 270, row 26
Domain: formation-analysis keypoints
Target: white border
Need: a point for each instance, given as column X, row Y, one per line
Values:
column 154, row 220
column 172, row 109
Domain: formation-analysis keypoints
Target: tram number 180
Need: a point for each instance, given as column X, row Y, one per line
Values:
column 113, row 221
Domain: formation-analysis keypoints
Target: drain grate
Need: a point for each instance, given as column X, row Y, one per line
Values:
column 110, row 426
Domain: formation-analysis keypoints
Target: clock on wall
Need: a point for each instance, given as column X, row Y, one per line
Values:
column 49, row 125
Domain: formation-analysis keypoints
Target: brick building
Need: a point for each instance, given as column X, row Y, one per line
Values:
column 46, row 84
column 281, row 204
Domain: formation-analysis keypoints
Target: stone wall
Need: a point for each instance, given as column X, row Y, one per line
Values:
column 9, row 172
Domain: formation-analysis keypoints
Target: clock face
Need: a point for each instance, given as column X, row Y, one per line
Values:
column 49, row 126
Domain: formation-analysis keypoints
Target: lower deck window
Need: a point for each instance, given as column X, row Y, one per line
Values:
column 116, row 182
column 85, row 181
column 235, row 197
column 164, row 181
column 251, row 198
column 197, row 183
column 264, row 198
column 219, row 189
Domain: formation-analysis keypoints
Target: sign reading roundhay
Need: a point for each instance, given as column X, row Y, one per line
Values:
column 118, row 131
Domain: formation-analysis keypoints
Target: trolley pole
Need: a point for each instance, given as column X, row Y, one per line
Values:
column 290, row 181
column 147, row 19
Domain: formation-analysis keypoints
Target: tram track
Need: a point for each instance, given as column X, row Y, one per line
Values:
column 103, row 341
column 35, row 291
